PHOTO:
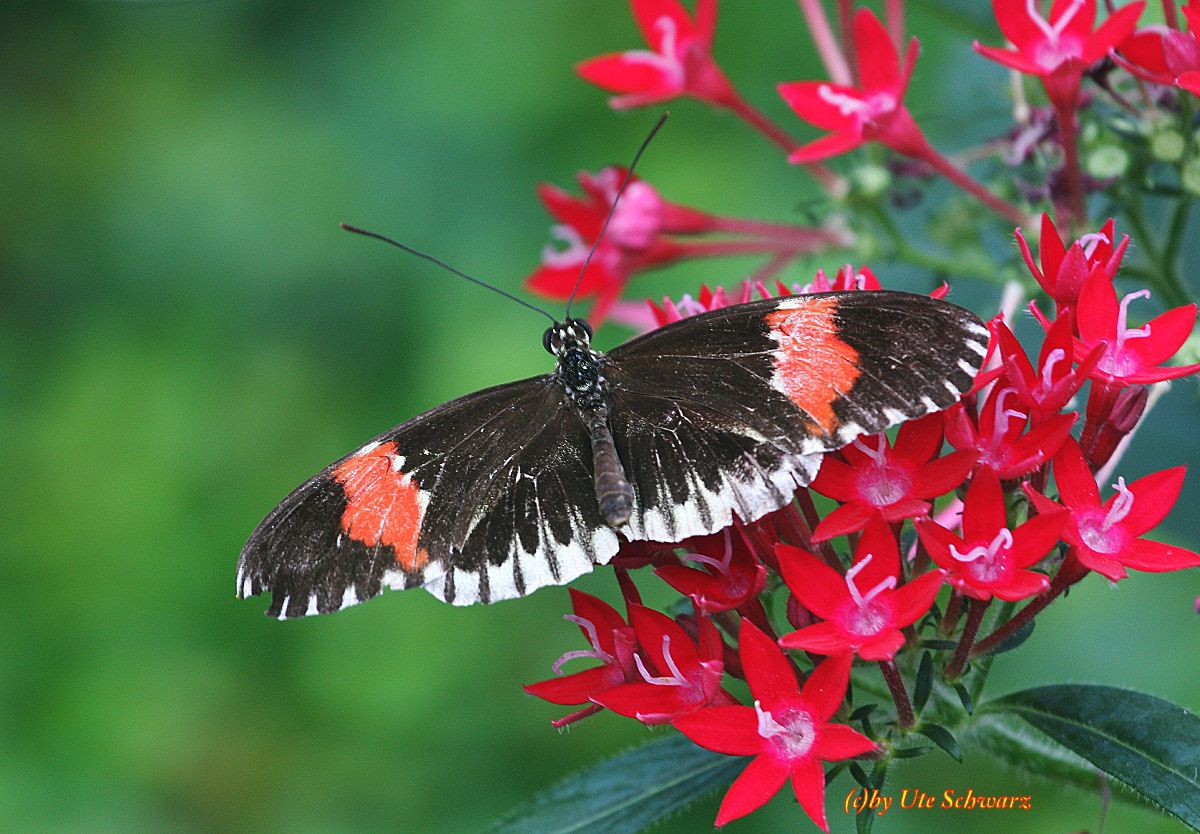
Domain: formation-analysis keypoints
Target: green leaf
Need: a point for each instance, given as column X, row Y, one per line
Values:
column 1015, row 639
column 1144, row 742
column 943, row 738
column 924, row 682
column 911, row 752
column 965, row 697
column 629, row 792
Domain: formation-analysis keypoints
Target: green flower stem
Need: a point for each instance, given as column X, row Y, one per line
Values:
column 905, row 717
column 1073, row 206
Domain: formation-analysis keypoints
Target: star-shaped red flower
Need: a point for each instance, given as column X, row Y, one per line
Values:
column 873, row 111
column 1046, row 390
column 1107, row 536
column 1131, row 355
column 610, row 641
column 998, row 436
column 677, row 675
column 1064, row 269
column 787, row 730
column 1166, row 56
column 730, row 575
column 679, row 61
column 894, row 482
column 863, row 611
column 1059, row 47
column 990, row 559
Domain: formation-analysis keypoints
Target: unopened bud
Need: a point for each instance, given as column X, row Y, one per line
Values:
column 872, row 180
column 1107, row 162
column 1167, row 145
column 1127, row 410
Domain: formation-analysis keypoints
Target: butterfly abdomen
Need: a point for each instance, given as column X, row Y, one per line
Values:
column 614, row 494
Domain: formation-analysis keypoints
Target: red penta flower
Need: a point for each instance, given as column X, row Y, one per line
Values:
column 678, row 63
column 990, row 559
column 1131, row 355
column 997, row 436
column 787, row 730
column 632, row 243
column 676, row 675
column 874, row 111
column 863, row 610
column 895, row 482
column 1166, row 56
column 1046, row 390
column 1106, row 536
column 1063, row 270
column 1058, row 48
column 708, row 299
column 610, row 641
column 846, row 278
column 729, row 575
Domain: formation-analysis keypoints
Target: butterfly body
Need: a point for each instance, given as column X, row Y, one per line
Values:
column 667, row 436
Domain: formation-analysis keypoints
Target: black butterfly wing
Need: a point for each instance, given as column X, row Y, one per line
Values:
column 727, row 412
column 476, row 500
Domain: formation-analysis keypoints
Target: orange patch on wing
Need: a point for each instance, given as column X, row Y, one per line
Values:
column 382, row 505
column 813, row 366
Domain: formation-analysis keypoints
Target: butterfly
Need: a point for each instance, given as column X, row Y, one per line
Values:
column 672, row 434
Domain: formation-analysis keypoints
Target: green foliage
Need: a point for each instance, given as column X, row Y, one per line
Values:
column 1145, row 742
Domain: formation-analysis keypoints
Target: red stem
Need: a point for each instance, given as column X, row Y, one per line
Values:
column 846, row 25
column 1067, row 576
column 975, row 610
column 1169, row 14
column 1073, row 208
column 825, row 41
column 894, row 14
column 771, row 268
column 904, row 708
column 950, row 618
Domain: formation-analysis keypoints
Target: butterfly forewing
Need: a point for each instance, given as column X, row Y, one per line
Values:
column 719, row 415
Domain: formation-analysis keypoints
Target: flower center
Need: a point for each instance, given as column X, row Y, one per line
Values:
column 666, row 59
column 882, row 484
column 1102, row 534
column 867, row 619
column 987, row 563
column 574, row 253
column 1055, row 49
column 1115, row 360
column 792, row 737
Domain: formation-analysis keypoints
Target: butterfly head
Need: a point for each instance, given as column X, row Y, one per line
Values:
column 564, row 336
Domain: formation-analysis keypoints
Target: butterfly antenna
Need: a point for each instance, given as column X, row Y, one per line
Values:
column 613, row 208
column 445, row 266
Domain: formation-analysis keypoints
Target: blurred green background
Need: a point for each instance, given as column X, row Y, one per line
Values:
column 185, row 335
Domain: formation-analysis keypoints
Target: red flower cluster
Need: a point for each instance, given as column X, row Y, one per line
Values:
column 863, row 600
column 995, row 498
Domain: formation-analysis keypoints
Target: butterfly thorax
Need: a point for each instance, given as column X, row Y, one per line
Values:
column 580, row 372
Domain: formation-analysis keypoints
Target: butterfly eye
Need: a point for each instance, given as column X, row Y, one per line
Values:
column 584, row 326
column 547, row 338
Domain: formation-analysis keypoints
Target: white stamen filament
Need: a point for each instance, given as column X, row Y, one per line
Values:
column 1053, row 358
column 593, row 638
column 878, row 454
column 676, row 679
column 846, row 104
column 767, row 725
column 1003, row 415
column 1120, row 507
column 1089, row 242
column 1002, row 541
column 574, row 253
column 862, row 600
column 1052, row 33
column 1124, row 333
column 666, row 59
column 723, row 564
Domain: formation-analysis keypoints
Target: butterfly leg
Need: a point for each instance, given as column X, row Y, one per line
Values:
column 614, row 493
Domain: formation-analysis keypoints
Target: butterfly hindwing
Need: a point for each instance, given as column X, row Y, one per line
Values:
column 478, row 499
